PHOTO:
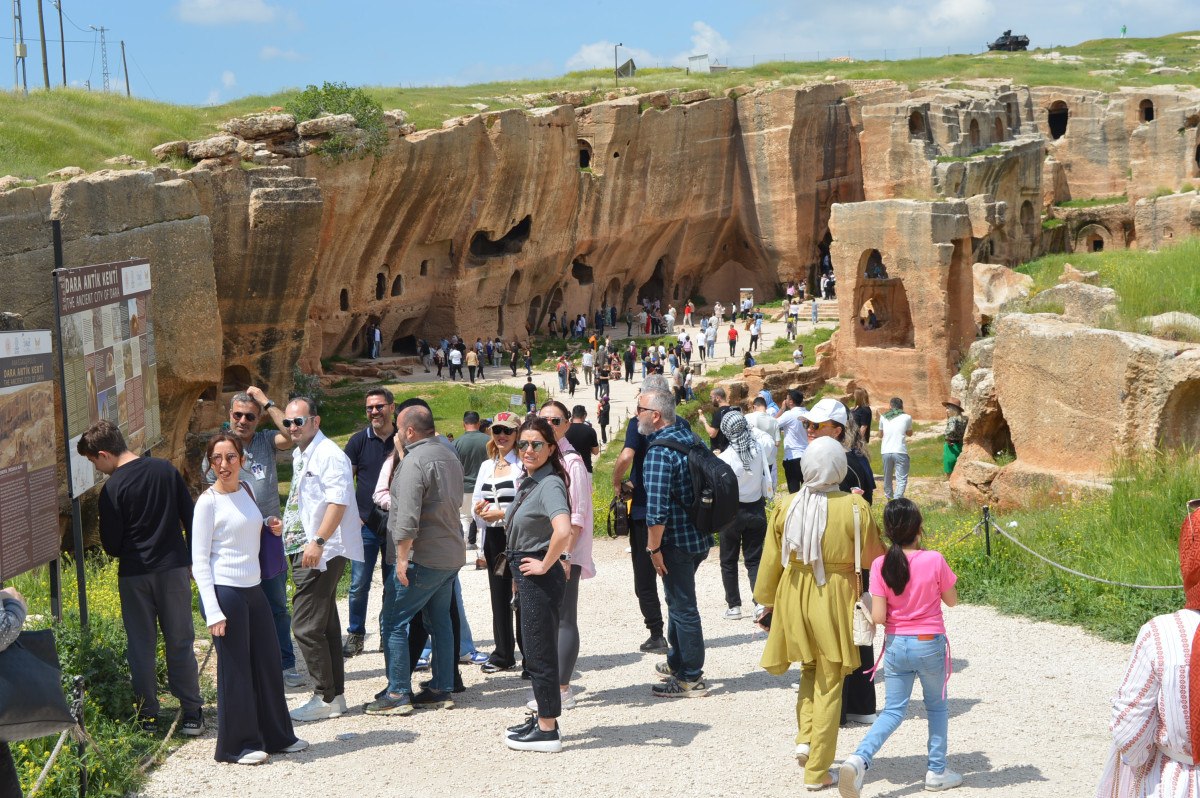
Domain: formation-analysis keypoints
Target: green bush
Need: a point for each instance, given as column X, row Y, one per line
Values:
column 338, row 98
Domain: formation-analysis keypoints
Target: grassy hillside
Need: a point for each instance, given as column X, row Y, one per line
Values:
column 44, row 132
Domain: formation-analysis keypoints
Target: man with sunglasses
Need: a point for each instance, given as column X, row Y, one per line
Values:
column 368, row 449
column 258, row 471
column 320, row 532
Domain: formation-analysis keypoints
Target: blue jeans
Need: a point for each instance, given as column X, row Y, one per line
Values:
column 906, row 659
column 430, row 590
column 685, row 637
column 897, row 463
column 360, row 582
column 276, row 590
column 712, row 348
column 466, row 641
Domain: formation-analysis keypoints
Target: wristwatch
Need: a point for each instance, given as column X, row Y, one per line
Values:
column 268, row 405
column 319, row 541
column 652, row 552
column 565, row 557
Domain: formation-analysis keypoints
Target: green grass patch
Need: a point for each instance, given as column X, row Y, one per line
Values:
column 995, row 149
column 1095, row 202
column 1052, row 224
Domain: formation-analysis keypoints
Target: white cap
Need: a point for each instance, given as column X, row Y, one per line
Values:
column 826, row 410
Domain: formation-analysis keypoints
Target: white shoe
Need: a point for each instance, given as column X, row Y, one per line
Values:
column 296, row 747
column 802, row 752
column 253, row 758
column 850, row 777
column 317, row 709
column 567, row 697
column 733, row 614
column 946, row 780
column 867, row 719
column 833, row 775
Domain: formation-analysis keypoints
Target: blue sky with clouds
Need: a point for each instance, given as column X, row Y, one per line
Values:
column 210, row 51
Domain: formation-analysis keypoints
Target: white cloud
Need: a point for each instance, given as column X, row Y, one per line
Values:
column 599, row 55
column 706, row 39
column 228, row 79
column 272, row 53
column 220, row 12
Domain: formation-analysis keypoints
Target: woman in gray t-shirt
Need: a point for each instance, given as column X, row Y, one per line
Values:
column 539, row 528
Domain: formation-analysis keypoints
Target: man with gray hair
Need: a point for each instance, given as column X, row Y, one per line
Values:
column 423, row 525
column 676, row 547
column 246, row 409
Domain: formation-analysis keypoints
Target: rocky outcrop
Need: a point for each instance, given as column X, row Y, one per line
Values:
column 1080, row 302
column 995, row 285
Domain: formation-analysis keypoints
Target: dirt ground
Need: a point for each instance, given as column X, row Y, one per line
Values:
column 1028, row 708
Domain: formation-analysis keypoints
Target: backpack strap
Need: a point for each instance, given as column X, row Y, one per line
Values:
column 857, row 548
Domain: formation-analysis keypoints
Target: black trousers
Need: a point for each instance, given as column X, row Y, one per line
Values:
column 10, row 784
column 540, row 598
column 645, row 584
column 858, row 691
column 252, row 714
column 791, row 471
column 744, row 536
column 504, row 655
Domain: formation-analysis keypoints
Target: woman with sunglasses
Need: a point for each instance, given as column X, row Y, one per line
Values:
column 538, row 526
column 495, row 489
column 252, row 714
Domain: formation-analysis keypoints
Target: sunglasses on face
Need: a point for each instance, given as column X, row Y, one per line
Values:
column 502, row 430
column 553, row 420
column 372, row 409
column 238, row 416
column 298, row 421
column 537, row 445
column 808, row 425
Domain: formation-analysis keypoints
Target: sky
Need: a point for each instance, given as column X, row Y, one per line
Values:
column 202, row 52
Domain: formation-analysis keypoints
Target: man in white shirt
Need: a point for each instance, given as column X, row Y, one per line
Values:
column 798, row 355
column 767, row 426
column 456, row 363
column 745, row 534
column 795, row 439
column 588, row 361
column 319, row 536
column 896, row 427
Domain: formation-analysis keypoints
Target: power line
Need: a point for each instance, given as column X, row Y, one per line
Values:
column 143, row 74
column 103, row 55
column 58, row 5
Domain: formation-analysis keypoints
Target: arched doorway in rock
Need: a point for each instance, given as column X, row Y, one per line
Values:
column 998, row 129
column 1057, row 117
column 1179, row 424
column 656, row 286
column 235, row 379
column 973, row 134
column 585, row 154
column 1028, row 227
column 916, row 125
column 398, row 285
column 873, row 266
column 1013, row 116
column 404, row 345
column 1146, row 110
column 612, row 293
column 510, row 291
column 535, row 309
column 1093, row 238
column 882, row 314
column 344, row 299
column 1197, row 159
column 1168, row 233
column 380, row 285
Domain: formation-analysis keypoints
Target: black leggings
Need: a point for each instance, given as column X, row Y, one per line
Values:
column 500, row 587
column 540, row 598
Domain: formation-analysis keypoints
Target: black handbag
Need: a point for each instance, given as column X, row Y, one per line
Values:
column 377, row 521
column 32, row 702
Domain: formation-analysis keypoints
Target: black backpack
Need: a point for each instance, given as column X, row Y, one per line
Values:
column 618, row 518
column 714, row 485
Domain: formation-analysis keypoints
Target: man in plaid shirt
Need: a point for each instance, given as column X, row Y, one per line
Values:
column 675, row 545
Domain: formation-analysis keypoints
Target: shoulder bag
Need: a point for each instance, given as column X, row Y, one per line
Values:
column 32, row 702
column 271, row 560
column 864, row 625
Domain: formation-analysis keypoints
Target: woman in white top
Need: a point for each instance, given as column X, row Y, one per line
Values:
column 744, row 536
column 252, row 714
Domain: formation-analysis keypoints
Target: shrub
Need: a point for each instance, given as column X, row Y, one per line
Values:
column 338, row 98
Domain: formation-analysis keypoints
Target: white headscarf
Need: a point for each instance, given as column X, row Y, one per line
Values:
column 824, row 468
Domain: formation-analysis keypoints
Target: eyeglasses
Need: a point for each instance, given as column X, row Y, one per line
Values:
column 811, row 426
column 537, row 445
column 554, row 420
column 238, row 416
column 232, row 457
column 298, row 421
column 640, row 408
column 372, row 409
column 502, row 430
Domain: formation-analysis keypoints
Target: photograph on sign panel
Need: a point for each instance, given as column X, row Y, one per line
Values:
column 26, row 415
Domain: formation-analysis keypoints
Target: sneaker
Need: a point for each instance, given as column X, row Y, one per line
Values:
column 678, row 688
column 318, row 709
column 733, row 614
column 391, row 705
column 192, row 724
column 433, row 699
column 664, row 670
column 866, row 719
column 422, row 662
column 474, row 658
column 296, row 747
column 833, row 782
column 492, row 667
column 802, row 752
column 850, row 778
column 149, row 723
column 946, row 780
column 525, row 725
column 253, row 758
column 426, row 684
column 548, row 742
column 353, row 645
column 655, row 644
column 567, row 698
column 293, row 679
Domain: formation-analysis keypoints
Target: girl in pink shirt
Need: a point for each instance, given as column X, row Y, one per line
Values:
column 909, row 584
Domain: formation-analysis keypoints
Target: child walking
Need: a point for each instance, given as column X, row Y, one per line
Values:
column 908, row 587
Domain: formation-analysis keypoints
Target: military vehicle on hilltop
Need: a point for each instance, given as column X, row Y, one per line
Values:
column 1010, row 43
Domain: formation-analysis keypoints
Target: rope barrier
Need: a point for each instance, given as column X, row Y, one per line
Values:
column 145, row 764
column 1072, row 571
column 41, row 779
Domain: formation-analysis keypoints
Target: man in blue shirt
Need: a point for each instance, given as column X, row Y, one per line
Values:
column 676, row 547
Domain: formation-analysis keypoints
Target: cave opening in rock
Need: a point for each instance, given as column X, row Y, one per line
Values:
column 656, row 286
column 585, row 154
column 999, row 129
column 482, row 246
column 510, row 289
column 882, row 314
column 535, row 309
column 583, row 274
column 1057, row 117
column 916, row 125
column 1014, row 117
column 398, row 285
column 380, row 285
column 404, row 345
column 1179, row 425
column 994, row 436
column 973, row 134
column 1198, row 158
column 424, row 268
column 1146, row 111
column 874, row 268
column 612, row 294
column 555, row 305
column 1168, row 233
column 235, row 379
column 1028, row 227
column 344, row 299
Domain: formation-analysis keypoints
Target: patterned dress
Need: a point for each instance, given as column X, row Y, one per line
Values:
column 1152, row 745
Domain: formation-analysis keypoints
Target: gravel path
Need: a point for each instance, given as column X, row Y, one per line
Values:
column 1028, row 701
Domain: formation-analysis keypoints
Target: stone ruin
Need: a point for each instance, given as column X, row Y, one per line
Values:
column 487, row 224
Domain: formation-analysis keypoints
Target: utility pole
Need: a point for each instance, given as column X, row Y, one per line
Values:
column 42, row 31
column 20, row 77
column 125, row 67
column 103, row 54
column 616, row 69
column 62, row 41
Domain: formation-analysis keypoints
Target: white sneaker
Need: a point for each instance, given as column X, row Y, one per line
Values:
column 253, row 758
column 317, row 709
column 802, row 752
column 867, row 719
column 946, row 780
column 733, row 614
column 833, row 782
column 296, row 747
column 850, row 777
column 567, row 697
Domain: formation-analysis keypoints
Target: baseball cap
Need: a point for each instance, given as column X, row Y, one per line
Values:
column 507, row 420
column 826, row 410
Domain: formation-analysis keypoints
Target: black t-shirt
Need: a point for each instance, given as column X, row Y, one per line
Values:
column 530, row 391
column 143, row 505
column 584, row 439
column 858, row 475
column 862, row 417
column 719, row 441
column 367, row 452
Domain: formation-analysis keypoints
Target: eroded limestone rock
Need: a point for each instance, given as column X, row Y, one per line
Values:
column 259, row 126
column 1084, row 303
column 326, row 125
